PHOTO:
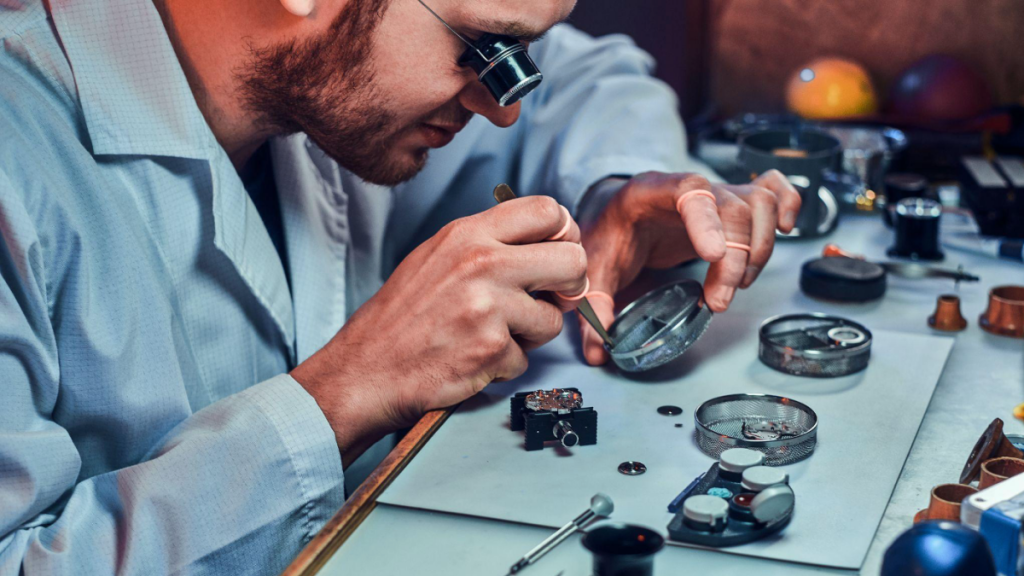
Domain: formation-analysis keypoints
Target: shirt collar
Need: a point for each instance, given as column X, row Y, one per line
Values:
column 133, row 92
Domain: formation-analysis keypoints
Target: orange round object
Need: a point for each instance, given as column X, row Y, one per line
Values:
column 831, row 88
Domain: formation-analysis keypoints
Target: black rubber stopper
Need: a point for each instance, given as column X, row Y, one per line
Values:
column 842, row 279
column 670, row 410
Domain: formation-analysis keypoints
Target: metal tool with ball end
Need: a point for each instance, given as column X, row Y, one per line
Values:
column 601, row 506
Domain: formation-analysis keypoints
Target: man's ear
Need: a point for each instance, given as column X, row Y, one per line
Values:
column 300, row 8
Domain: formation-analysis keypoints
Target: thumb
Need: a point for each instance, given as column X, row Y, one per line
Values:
column 593, row 346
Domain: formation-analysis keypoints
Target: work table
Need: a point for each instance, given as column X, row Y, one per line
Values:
column 983, row 379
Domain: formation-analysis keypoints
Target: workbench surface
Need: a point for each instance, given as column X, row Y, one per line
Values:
column 983, row 379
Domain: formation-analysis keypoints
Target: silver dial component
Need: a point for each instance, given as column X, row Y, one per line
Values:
column 631, row 468
column 565, row 434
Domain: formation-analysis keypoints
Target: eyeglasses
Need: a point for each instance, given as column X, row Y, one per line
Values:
column 501, row 63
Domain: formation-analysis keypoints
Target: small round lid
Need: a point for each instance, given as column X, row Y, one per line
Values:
column 758, row 478
column 739, row 459
column 773, row 503
column 705, row 509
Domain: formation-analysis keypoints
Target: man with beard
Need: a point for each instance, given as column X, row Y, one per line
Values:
column 227, row 269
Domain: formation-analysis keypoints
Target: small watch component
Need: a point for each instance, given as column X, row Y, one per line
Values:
column 554, row 415
column 669, row 410
column 631, row 468
column 767, row 431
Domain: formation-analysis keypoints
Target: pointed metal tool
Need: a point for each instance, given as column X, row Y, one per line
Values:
column 503, row 193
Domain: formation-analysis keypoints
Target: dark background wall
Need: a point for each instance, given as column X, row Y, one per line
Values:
column 738, row 54
column 675, row 32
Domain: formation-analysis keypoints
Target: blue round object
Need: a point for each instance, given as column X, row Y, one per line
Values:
column 939, row 548
column 720, row 492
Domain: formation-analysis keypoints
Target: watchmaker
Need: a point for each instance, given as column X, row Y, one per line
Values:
column 228, row 268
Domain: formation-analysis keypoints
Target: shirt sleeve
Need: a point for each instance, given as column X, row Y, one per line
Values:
column 598, row 113
column 238, row 487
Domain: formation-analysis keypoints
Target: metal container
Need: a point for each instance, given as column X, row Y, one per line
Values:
column 784, row 429
column 659, row 327
column 815, row 345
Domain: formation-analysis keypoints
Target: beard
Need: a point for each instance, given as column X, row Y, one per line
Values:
column 325, row 87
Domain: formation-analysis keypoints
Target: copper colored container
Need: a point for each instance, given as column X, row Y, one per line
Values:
column 945, row 502
column 947, row 316
column 1005, row 314
column 992, row 444
column 998, row 469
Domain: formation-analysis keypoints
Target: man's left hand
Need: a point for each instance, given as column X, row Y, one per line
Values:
column 642, row 228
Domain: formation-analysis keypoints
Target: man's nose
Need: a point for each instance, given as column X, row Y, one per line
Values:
column 476, row 98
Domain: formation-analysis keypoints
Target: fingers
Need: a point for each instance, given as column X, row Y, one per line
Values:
column 764, row 212
column 788, row 199
column 510, row 363
column 570, row 231
column 566, row 301
column 593, row 346
column 526, row 221
column 725, row 275
column 532, row 322
column 550, row 266
column 699, row 212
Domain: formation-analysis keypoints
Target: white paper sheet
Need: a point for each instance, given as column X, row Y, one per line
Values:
column 475, row 465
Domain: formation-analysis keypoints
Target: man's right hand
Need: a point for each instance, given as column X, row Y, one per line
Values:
column 456, row 315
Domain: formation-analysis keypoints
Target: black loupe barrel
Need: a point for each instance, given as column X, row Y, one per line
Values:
column 504, row 66
column 917, row 229
column 623, row 549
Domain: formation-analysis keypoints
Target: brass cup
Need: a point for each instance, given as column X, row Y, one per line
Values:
column 1005, row 314
column 947, row 316
column 945, row 502
column 996, row 470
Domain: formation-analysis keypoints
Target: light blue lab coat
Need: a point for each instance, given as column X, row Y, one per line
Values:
column 147, row 423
